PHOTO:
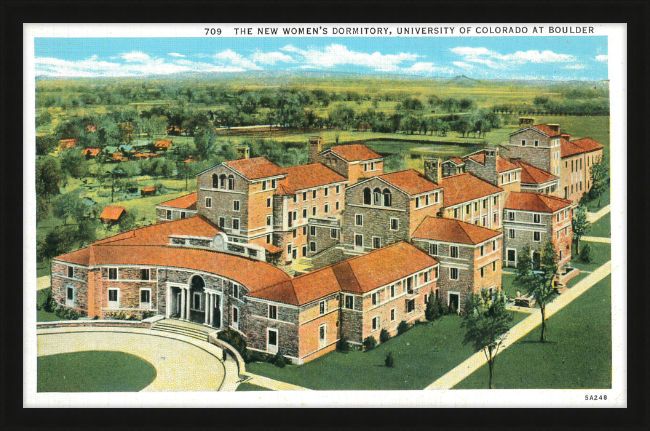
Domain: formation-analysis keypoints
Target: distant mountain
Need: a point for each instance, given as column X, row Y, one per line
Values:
column 463, row 81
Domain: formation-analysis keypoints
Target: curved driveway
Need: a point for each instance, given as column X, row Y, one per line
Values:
column 182, row 364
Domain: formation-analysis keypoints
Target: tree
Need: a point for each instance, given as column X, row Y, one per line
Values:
column 86, row 232
column 539, row 284
column 580, row 225
column 70, row 205
column 46, row 144
column 43, row 118
column 48, row 178
column 486, row 323
column 598, row 172
column 410, row 124
column 55, row 243
column 127, row 222
column 432, row 310
column 74, row 163
column 43, row 208
column 204, row 141
column 464, row 126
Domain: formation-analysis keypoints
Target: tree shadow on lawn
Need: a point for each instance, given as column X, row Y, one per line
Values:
column 537, row 342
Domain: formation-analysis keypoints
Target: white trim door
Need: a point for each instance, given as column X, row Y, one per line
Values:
column 272, row 341
column 322, row 336
column 235, row 317
column 113, row 298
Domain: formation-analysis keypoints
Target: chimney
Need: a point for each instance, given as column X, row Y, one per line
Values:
column 491, row 159
column 566, row 136
column 315, row 147
column 243, row 152
column 526, row 121
column 555, row 127
column 433, row 169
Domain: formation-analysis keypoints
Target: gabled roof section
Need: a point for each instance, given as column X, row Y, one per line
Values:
column 465, row 187
column 303, row 177
column 112, row 212
column 186, row 202
column 80, row 257
column 410, row 181
column 545, row 129
column 255, row 168
column 455, row 160
column 536, row 202
column 503, row 165
column 588, row 144
column 568, row 148
column 354, row 152
column 532, row 174
column 451, row 230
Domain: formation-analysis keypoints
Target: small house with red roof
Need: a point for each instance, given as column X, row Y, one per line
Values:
column 91, row 152
column 163, row 144
column 64, row 144
column 470, row 258
column 112, row 214
column 148, row 191
column 534, row 219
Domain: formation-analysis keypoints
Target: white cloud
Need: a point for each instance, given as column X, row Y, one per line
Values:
column 230, row 58
column 603, row 58
column 338, row 55
column 575, row 66
column 175, row 54
column 136, row 56
column 496, row 60
column 533, row 56
column 462, row 64
column 424, row 68
column 271, row 57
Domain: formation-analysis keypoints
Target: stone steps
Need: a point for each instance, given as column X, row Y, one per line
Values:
column 193, row 330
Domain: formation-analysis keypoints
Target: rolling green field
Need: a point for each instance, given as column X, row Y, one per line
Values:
column 421, row 356
column 601, row 227
column 577, row 355
column 93, row 371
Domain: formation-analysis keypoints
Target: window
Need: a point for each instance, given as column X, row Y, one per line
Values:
column 145, row 298
column 392, row 315
column 304, row 213
column 511, row 215
column 338, row 189
column 264, row 185
column 268, row 202
column 417, row 202
column 144, row 274
column 235, row 224
column 273, row 312
column 375, row 298
column 475, row 206
column 387, row 198
column 183, row 214
column 322, row 336
column 304, row 196
column 394, row 224
column 484, row 203
column 536, row 143
column 338, row 205
column 349, row 302
column 168, row 215
column 327, row 207
column 494, row 265
column 494, row 245
column 453, row 273
column 208, row 202
column 312, row 230
column 215, row 181
column 70, row 271
column 435, row 197
column 375, row 323
column 112, row 273
column 482, row 250
column 483, row 272
column 367, row 196
column 313, row 211
column 222, row 222
column 358, row 220
column 484, row 221
column 433, row 249
column 426, row 200
column 333, row 234
column 453, row 251
column 537, row 218
column 322, row 307
column 231, row 182
column 312, row 246
column 326, row 190
column 376, row 197
column 511, row 233
column 304, row 230
column 235, row 205
column 523, row 142
column 69, row 296
column 274, row 184
column 376, row 242
column 304, row 250
column 467, row 208
column 455, row 212
column 294, row 233
column 113, row 298
column 222, row 181
column 269, row 220
column 268, row 239
column 410, row 306
column 313, row 194
column 392, row 291
column 536, row 236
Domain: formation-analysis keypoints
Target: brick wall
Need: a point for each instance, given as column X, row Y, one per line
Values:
column 286, row 324
column 79, row 281
column 536, row 156
column 222, row 200
column 322, row 238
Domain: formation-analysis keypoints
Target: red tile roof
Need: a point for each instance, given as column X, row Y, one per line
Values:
column 91, row 151
column 410, row 181
column 355, row 152
column 80, row 257
column 588, row 144
column 546, row 130
column 503, row 165
column 303, row 177
column 568, row 148
column 256, row 168
column 163, row 143
column 451, row 230
column 186, row 202
column 465, row 187
column 112, row 212
column 455, row 159
column 358, row 275
column 535, row 202
column 532, row 174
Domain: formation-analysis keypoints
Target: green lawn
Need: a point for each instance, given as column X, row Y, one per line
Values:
column 243, row 387
column 421, row 356
column 601, row 227
column 577, row 355
column 601, row 252
column 94, row 371
column 605, row 199
column 42, row 315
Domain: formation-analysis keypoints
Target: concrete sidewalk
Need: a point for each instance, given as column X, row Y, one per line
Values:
column 43, row 282
column 477, row 360
column 592, row 217
column 274, row 385
column 596, row 239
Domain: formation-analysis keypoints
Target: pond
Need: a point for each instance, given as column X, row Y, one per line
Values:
column 423, row 148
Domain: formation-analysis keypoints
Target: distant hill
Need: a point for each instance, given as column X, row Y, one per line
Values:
column 463, row 81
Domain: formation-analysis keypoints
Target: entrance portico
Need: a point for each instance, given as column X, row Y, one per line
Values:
column 192, row 302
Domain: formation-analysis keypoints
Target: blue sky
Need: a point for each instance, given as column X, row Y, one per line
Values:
column 544, row 57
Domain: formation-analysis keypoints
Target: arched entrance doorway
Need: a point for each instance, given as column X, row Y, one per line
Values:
column 197, row 299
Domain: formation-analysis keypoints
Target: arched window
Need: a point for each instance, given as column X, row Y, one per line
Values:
column 215, row 181
column 222, row 180
column 231, row 182
column 376, row 197
column 366, row 196
column 387, row 198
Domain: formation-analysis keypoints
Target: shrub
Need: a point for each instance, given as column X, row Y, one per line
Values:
column 279, row 360
column 60, row 312
column 72, row 315
column 389, row 360
column 235, row 339
column 432, row 311
column 132, row 317
column 369, row 343
column 586, row 254
column 147, row 314
column 255, row 356
column 49, row 305
column 384, row 336
column 342, row 345
column 444, row 309
column 403, row 327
